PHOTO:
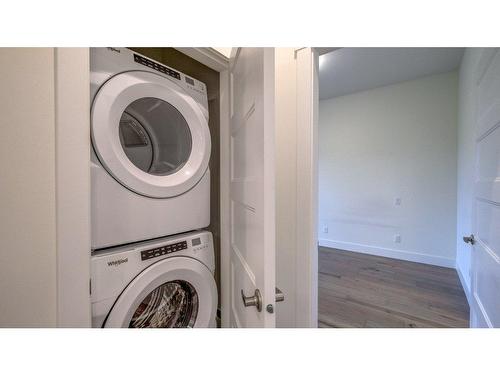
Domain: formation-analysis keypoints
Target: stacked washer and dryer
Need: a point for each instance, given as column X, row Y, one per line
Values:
column 151, row 265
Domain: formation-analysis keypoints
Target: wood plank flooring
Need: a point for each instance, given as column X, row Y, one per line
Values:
column 359, row 290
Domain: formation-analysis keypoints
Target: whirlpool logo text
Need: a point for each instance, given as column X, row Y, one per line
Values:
column 117, row 262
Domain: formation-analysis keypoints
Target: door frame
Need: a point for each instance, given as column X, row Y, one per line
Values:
column 72, row 162
column 307, row 187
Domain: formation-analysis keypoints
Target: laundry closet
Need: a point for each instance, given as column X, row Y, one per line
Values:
column 153, row 261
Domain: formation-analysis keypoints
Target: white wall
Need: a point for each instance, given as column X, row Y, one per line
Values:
column 397, row 141
column 466, row 156
column 27, row 183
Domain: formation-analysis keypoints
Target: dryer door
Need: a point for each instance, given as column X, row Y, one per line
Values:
column 149, row 134
column 173, row 293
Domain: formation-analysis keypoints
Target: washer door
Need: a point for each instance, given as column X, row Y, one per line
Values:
column 173, row 293
column 149, row 135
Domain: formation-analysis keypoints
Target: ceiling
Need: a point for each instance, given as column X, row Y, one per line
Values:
column 348, row 70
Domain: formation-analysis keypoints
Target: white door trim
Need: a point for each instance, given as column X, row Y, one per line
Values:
column 225, row 204
column 72, row 141
column 307, row 189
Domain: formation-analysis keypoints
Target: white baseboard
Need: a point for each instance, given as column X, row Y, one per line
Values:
column 389, row 253
column 464, row 286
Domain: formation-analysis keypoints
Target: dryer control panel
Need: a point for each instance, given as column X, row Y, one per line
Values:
column 163, row 250
column 154, row 65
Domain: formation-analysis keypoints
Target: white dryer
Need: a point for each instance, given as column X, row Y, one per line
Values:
column 162, row 283
column 151, row 148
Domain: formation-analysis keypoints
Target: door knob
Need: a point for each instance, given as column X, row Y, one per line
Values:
column 255, row 300
column 470, row 239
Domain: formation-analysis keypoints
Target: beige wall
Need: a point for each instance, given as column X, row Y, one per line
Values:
column 27, row 188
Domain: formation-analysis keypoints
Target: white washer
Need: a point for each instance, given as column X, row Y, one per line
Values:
column 162, row 283
column 151, row 148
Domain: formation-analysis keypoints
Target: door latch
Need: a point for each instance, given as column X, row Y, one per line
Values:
column 280, row 297
column 469, row 239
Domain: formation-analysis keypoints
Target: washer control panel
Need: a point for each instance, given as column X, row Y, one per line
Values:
column 163, row 250
column 198, row 244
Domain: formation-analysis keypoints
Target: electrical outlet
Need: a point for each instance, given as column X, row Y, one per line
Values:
column 397, row 238
column 325, row 228
column 397, row 201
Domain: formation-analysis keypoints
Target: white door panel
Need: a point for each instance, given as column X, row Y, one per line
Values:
column 488, row 94
column 488, row 230
column 252, row 208
column 487, row 285
column 488, row 170
column 485, row 309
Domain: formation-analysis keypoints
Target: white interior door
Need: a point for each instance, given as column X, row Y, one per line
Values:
column 252, row 188
column 485, row 309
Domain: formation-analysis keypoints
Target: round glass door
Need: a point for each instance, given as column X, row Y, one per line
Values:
column 171, row 305
column 155, row 136
column 172, row 293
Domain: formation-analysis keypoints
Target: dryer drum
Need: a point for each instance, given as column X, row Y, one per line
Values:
column 171, row 305
column 132, row 133
column 155, row 136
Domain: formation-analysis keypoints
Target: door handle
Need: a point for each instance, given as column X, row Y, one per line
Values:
column 255, row 300
column 469, row 239
column 280, row 297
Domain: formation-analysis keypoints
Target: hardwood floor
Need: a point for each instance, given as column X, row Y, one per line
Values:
column 359, row 290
